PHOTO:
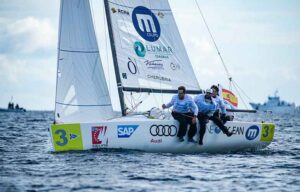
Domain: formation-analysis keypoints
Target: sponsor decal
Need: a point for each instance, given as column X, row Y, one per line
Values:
column 237, row 130
column 132, row 66
column 158, row 77
column 99, row 137
column 146, row 24
column 163, row 130
column 212, row 129
column 125, row 131
column 121, row 11
column 67, row 137
column 154, row 64
column 174, row 66
column 217, row 130
column 159, row 51
column 252, row 132
column 139, row 49
column 156, row 141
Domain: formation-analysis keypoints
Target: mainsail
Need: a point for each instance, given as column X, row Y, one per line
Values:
column 81, row 94
column 151, row 56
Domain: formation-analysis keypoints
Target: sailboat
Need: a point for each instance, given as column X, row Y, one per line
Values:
column 148, row 56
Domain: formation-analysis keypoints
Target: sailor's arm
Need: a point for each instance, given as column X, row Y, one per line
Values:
column 222, row 106
column 170, row 104
column 194, row 108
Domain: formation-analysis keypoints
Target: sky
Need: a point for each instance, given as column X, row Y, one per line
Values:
column 258, row 40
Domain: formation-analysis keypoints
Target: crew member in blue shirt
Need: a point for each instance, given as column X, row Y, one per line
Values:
column 207, row 108
column 185, row 111
column 221, row 107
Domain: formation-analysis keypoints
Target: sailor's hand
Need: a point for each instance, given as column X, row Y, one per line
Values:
column 164, row 106
column 194, row 120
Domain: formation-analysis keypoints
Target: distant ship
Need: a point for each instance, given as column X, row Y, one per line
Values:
column 12, row 108
column 275, row 105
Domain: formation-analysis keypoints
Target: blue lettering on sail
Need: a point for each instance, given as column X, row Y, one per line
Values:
column 146, row 23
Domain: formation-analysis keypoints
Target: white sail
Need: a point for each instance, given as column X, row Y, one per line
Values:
column 82, row 94
column 149, row 49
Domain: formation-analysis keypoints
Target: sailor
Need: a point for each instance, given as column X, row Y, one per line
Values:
column 221, row 108
column 185, row 111
column 207, row 111
column 228, row 116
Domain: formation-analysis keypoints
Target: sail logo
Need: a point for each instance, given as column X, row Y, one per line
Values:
column 159, row 78
column 154, row 64
column 125, row 131
column 159, row 51
column 146, row 23
column 139, row 49
column 174, row 66
column 132, row 66
column 252, row 132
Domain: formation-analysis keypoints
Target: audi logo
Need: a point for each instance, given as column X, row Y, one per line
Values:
column 163, row 130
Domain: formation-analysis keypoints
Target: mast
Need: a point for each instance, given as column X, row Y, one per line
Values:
column 114, row 56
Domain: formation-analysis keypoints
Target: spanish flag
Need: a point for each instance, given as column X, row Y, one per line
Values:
column 230, row 97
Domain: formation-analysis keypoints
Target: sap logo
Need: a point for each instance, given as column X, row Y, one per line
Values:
column 252, row 132
column 146, row 23
column 125, row 131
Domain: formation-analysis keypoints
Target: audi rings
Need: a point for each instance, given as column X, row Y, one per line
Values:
column 163, row 130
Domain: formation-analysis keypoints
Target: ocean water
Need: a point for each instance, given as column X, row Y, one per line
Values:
column 26, row 163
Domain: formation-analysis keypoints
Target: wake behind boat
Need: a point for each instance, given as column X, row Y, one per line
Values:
column 149, row 56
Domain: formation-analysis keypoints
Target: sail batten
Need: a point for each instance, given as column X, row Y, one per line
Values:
column 132, row 89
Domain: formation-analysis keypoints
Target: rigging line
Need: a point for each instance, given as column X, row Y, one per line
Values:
column 243, row 91
column 227, row 72
column 240, row 96
column 224, row 65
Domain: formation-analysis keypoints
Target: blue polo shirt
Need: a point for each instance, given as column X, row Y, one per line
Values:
column 183, row 106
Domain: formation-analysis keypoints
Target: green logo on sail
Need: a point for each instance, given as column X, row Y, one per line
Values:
column 139, row 49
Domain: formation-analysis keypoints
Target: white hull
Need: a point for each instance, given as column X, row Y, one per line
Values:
column 152, row 135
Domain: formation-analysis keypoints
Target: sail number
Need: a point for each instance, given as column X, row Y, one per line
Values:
column 67, row 137
column 267, row 132
column 62, row 137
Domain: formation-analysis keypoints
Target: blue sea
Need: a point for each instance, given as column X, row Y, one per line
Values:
column 27, row 164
